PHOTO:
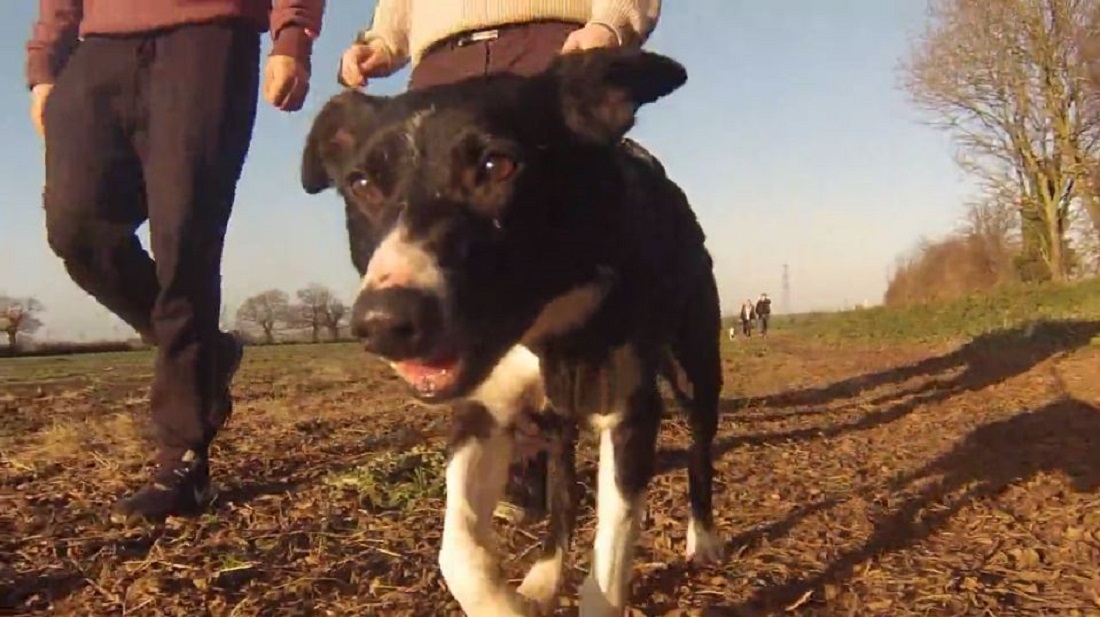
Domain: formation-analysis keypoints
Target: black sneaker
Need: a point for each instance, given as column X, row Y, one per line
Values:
column 179, row 488
column 230, row 354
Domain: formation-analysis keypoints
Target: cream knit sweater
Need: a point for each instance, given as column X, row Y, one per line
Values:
column 409, row 27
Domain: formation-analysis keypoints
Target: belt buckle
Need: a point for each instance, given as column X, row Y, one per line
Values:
column 477, row 37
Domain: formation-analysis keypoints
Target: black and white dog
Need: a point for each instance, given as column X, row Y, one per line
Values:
column 518, row 254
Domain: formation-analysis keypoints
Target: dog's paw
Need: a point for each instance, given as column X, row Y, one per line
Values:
column 703, row 544
column 542, row 583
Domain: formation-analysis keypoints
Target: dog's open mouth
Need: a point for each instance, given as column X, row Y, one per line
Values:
column 430, row 377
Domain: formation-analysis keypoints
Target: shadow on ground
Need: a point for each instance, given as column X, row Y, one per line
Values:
column 1063, row 436
column 985, row 361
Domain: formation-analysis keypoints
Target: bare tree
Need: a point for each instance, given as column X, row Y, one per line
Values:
column 991, row 229
column 1085, row 244
column 979, row 256
column 266, row 311
column 1090, row 56
column 19, row 316
column 1004, row 78
column 333, row 316
column 311, row 309
column 319, row 309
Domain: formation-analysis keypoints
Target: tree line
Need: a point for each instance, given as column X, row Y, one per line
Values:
column 314, row 314
column 271, row 315
column 1014, row 83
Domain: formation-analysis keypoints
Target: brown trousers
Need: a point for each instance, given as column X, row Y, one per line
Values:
column 522, row 49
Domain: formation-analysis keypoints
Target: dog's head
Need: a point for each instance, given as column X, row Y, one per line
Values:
column 474, row 208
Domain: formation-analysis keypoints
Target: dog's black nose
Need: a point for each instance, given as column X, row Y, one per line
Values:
column 397, row 323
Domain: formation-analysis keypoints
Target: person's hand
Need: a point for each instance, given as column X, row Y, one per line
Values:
column 362, row 61
column 39, row 94
column 286, row 83
column 590, row 37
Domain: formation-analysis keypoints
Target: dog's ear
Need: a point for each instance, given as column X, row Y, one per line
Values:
column 601, row 90
column 336, row 130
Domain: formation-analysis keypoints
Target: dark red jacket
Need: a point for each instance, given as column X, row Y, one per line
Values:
column 293, row 25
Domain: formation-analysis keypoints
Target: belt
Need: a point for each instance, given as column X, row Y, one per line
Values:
column 475, row 36
column 469, row 37
column 462, row 39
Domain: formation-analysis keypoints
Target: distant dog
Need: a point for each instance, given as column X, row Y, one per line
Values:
column 504, row 230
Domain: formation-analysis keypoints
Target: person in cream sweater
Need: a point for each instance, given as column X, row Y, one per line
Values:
column 447, row 40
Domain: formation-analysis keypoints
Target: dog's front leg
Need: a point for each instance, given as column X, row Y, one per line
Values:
column 481, row 451
column 628, row 438
column 476, row 473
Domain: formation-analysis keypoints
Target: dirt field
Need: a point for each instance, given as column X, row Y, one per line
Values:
column 896, row 480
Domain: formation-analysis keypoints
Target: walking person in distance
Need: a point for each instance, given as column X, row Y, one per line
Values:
column 748, row 315
column 764, row 312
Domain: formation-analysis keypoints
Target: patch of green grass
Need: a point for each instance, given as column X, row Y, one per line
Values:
column 228, row 562
column 396, row 480
column 84, row 366
column 967, row 317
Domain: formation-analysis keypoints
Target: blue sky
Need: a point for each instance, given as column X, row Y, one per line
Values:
column 791, row 138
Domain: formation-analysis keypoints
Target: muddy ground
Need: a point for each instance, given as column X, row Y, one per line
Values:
column 894, row 480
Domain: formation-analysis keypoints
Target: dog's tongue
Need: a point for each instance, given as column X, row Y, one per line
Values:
column 427, row 377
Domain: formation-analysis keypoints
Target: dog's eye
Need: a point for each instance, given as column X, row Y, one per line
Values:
column 363, row 188
column 496, row 167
